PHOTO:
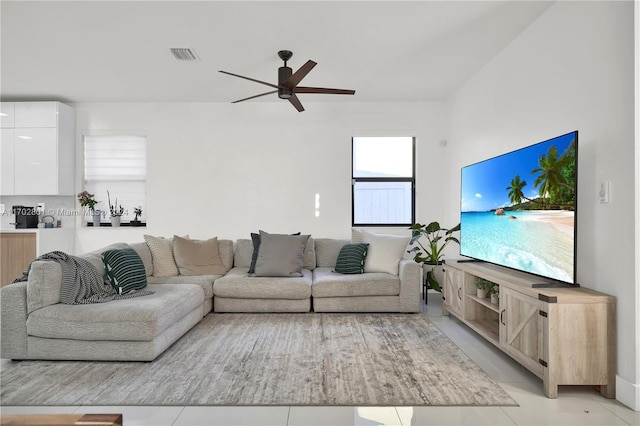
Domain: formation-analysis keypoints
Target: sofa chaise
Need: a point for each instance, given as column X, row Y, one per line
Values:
column 36, row 326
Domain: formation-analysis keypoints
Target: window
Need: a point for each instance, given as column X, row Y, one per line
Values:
column 383, row 182
column 118, row 164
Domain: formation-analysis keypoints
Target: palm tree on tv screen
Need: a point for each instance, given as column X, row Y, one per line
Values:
column 515, row 190
column 550, row 173
column 555, row 181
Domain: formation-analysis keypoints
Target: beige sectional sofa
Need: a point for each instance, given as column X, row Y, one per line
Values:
column 141, row 328
column 367, row 292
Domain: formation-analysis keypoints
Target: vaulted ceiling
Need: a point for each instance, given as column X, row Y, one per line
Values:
column 118, row 51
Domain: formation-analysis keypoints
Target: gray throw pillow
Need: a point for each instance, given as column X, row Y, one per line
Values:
column 280, row 255
column 255, row 238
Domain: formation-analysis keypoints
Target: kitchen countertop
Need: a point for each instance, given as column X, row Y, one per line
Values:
column 28, row 230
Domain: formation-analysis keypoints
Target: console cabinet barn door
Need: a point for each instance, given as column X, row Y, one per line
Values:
column 521, row 329
column 453, row 283
column 6, row 162
column 36, row 164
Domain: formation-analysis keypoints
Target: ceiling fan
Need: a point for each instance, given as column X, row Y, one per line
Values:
column 287, row 86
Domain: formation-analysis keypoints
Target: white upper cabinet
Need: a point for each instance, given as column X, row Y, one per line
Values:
column 36, row 114
column 7, row 149
column 7, row 115
column 43, row 150
column 35, row 157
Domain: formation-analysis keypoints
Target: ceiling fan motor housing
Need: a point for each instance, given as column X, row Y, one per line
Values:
column 283, row 74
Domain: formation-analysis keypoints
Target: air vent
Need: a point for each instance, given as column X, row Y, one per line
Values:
column 184, row 54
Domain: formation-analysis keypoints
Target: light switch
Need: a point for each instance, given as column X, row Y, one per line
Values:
column 603, row 192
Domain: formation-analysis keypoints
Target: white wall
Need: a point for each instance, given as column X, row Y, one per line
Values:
column 571, row 69
column 227, row 170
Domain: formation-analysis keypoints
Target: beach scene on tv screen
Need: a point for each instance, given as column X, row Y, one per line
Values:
column 518, row 209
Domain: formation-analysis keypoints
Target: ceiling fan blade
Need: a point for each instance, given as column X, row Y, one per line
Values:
column 297, row 76
column 256, row 96
column 250, row 79
column 296, row 103
column 324, row 90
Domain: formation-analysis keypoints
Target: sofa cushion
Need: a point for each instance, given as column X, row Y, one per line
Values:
column 95, row 257
column 327, row 283
column 280, row 255
column 327, row 250
column 145, row 254
column 239, row 284
column 125, row 270
column 385, row 252
column 225, row 248
column 164, row 264
column 242, row 253
column 197, row 257
column 137, row 319
column 351, row 258
column 204, row 281
column 43, row 285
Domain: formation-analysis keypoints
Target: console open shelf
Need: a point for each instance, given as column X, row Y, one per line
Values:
column 565, row 336
column 485, row 302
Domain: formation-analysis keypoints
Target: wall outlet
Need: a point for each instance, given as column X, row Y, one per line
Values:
column 603, row 192
column 40, row 208
column 3, row 211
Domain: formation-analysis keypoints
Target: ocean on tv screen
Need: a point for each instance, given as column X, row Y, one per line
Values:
column 540, row 242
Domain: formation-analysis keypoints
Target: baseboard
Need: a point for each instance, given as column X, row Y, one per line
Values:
column 628, row 393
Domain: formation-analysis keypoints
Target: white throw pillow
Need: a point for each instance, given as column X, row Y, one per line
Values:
column 385, row 252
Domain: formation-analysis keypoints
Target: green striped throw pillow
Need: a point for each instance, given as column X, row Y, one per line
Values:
column 125, row 270
column 351, row 258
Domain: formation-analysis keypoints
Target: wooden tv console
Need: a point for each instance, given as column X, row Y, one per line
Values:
column 565, row 336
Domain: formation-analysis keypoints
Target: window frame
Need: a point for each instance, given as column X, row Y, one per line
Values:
column 411, row 180
column 88, row 184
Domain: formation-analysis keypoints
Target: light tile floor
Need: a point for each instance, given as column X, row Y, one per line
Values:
column 575, row 405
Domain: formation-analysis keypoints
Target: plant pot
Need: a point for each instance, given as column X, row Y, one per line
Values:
column 135, row 223
column 436, row 269
column 115, row 221
column 494, row 299
column 97, row 215
column 481, row 293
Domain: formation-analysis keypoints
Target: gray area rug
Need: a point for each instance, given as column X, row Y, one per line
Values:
column 273, row 359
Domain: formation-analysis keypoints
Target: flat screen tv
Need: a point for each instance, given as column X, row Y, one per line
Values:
column 519, row 210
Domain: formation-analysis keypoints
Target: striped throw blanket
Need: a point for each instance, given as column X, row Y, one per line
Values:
column 81, row 282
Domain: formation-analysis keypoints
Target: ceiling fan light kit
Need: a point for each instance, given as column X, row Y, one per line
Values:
column 287, row 86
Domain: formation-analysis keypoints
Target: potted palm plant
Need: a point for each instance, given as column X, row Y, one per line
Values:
column 431, row 253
